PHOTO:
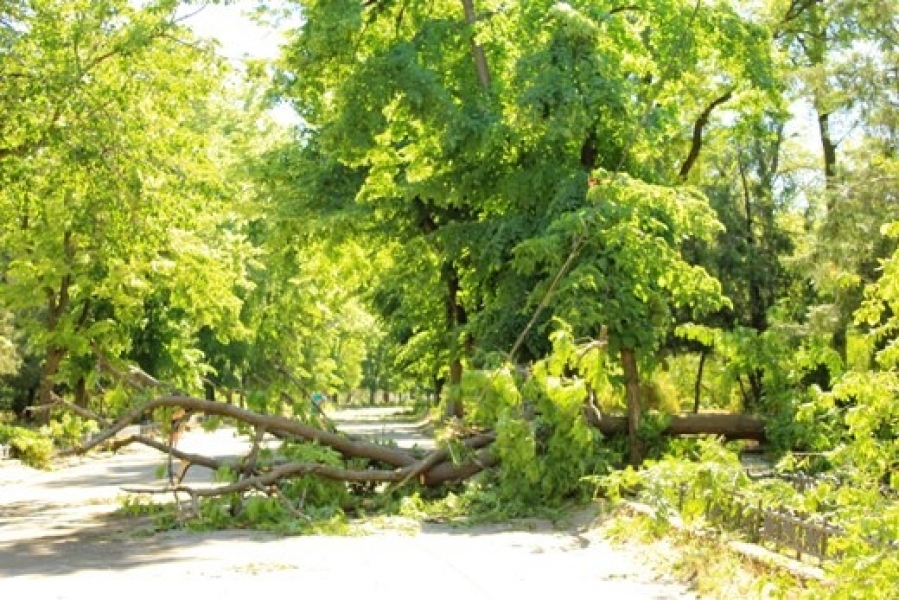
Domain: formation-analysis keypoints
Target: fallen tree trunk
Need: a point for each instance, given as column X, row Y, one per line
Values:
column 729, row 426
column 386, row 464
column 433, row 469
column 274, row 424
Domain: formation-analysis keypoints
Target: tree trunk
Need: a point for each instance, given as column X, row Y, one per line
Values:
column 477, row 52
column 55, row 356
column 454, row 406
column 697, row 388
column 731, row 427
column 81, row 397
column 829, row 154
column 456, row 317
column 632, row 391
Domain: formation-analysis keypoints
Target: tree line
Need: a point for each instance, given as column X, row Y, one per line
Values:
column 471, row 184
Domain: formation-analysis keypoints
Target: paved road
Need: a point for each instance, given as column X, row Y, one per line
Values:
column 59, row 539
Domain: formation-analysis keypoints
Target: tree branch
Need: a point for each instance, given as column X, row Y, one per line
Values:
column 477, row 51
column 698, row 127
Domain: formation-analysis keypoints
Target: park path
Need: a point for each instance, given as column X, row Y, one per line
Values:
column 60, row 538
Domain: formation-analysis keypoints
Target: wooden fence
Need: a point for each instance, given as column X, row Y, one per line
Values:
column 799, row 534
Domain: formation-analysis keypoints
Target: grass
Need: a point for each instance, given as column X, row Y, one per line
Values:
column 707, row 564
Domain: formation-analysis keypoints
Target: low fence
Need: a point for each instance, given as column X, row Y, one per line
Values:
column 799, row 534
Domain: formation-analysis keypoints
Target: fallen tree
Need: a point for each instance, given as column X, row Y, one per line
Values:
column 388, row 464
column 397, row 465
column 728, row 426
column 363, row 462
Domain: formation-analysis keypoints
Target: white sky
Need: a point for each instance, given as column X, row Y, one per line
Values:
column 239, row 35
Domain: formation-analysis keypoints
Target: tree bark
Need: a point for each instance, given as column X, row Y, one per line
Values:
column 477, row 52
column 698, row 129
column 81, row 397
column 632, row 391
column 729, row 426
column 697, row 388
column 455, row 317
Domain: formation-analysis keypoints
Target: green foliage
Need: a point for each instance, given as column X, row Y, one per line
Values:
column 165, row 516
column 31, row 447
column 710, row 467
column 323, row 497
column 120, row 229
column 699, row 474
column 631, row 263
column 68, row 430
column 300, row 505
column 9, row 354
column 764, row 372
column 544, row 443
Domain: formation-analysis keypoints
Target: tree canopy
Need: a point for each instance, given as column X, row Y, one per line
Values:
column 532, row 212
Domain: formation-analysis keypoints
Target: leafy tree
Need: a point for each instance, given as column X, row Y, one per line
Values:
column 472, row 128
column 110, row 195
column 630, row 266
column 9, row 355
column 842, row 51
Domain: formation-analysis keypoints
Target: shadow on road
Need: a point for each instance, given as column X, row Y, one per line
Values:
column 107, row 543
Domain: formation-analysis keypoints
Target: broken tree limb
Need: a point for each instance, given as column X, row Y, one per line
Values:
column 274, row 424
column 440, row 456
column 730, row 426
column 447, row 472
column 196, row 459
column 442, row 473
column 432, row 469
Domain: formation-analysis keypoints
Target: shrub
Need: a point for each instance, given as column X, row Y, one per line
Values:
column 29, row 446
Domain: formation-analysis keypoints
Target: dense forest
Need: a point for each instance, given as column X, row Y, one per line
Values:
column 531, row 214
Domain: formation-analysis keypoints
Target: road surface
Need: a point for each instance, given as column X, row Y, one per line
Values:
column 59, row 538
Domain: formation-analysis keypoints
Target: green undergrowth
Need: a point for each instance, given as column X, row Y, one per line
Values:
column 309, row 505
column 29, row 446
column 706, row 564
column 706, row 473
column 36, row 446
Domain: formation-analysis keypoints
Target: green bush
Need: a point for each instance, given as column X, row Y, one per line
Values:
column 544, row 443
column 29, row 446
column 68, row 430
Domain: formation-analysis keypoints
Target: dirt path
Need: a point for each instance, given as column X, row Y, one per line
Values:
column 60, row 539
